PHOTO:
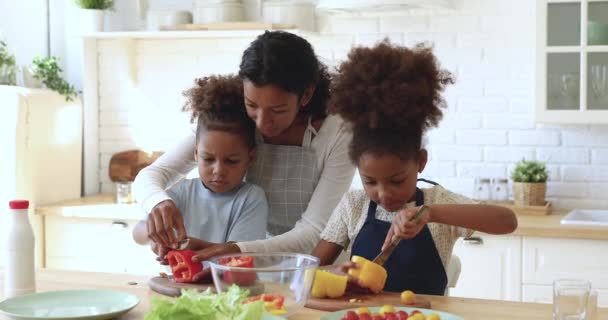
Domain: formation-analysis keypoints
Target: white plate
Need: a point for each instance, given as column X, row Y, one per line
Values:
column 71, row 304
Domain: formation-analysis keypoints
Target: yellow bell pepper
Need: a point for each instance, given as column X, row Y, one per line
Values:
column 370, row 275
column 328, row 285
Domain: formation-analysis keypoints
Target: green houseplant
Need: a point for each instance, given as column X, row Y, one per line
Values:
column 95, row 4
column 92, row 14
column 8, row 68
column 48, row 71
column 529, row 183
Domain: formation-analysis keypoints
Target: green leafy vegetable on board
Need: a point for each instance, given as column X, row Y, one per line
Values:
column 206, row 306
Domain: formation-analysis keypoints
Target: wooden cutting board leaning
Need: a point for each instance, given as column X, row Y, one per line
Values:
column 125, row 165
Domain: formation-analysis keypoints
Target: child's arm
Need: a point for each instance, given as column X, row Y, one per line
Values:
column 140, row 233
column 327, row 252
column 480, row 217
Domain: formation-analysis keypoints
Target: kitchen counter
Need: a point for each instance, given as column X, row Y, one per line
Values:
column 103, row 206
column 470, row 309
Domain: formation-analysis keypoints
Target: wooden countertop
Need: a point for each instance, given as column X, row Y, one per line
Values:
column 470, row 309
column 103, row 206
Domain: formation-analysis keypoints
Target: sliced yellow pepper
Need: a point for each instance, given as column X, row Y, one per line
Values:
column 370, row 275
column 328, row 285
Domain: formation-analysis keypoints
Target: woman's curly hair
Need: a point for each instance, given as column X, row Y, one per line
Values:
column 289, row 62
column 218, row 104
column 391, row 95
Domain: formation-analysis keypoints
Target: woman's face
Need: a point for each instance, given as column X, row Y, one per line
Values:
column 388, row 180
column 272, row 108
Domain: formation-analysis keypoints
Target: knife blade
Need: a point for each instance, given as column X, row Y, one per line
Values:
column 386, row 253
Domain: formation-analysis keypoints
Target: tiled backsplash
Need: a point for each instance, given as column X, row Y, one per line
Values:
column 489, row 125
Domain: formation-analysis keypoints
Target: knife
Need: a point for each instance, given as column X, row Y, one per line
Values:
column 386, row 253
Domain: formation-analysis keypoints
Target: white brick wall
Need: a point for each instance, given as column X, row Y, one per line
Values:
column 489, row 125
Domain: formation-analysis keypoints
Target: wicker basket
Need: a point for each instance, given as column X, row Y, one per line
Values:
column 526, row 194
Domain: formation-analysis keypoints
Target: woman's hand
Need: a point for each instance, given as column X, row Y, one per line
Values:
column 210, row 252
column 163, row 221
column 405, row 226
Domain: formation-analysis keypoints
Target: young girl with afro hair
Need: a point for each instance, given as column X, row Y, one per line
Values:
column 390, row 96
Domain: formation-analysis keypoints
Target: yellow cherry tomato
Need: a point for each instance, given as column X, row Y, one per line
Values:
column 386, row 309
column 408, row 297
column 363, row 310
column 433, row 316
column 420, row 316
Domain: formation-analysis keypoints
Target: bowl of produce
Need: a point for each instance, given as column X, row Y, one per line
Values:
column 281, row 280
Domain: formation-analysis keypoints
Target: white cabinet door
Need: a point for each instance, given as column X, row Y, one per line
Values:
column 95, row 245
column 547, row 259
column 490, row 267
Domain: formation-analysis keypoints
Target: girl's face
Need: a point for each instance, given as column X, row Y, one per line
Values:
column 271, row 108
column 223, row 158
column 388, row 180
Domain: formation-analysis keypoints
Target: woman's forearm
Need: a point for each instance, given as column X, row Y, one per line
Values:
column 480, row 217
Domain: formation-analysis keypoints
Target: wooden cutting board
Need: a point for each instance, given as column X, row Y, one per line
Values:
column 365, row 300
column 124, row 166
column 244, row 25
column 168, row 287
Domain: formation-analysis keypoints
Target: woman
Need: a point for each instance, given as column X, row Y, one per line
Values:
column 302, row 161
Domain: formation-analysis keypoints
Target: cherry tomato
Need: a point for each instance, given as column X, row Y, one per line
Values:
column 414, row 312
column 351, row 315
column 378, row 317
column 402, row 315
column 365, row 316
column 362, row 310
column 390, row 316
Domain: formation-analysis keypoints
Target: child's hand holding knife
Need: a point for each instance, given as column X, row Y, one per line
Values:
column 407, row 224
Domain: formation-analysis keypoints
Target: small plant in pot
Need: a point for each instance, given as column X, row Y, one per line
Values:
column 529, row 183
column 48, row 71
column 8, row 69
column 92, row 14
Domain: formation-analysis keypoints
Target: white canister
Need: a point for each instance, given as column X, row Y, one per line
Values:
column 297, row 12
column 18, row 251
column 212, row 11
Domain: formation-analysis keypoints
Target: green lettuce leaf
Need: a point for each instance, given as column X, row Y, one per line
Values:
column 206, row 306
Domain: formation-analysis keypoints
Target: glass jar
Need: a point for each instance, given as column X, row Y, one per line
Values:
column 483, row 189
column 124, row 193
column 500, row 189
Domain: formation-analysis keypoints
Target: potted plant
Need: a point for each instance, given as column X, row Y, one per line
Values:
column 49, row 73
column 8, row 69
column 529, row 183
column 93, row 13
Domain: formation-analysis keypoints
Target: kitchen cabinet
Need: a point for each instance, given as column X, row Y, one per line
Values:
column 547, row 259
column 101, row 245
column 490, row 267
column 572, row 61
column 544, row 294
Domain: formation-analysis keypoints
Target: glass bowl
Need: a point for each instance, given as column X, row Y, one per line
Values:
column 289, row 275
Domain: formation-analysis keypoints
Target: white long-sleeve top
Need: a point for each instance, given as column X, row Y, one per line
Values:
column 331, row 147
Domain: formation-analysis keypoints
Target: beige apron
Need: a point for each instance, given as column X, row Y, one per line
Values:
column 288, row 175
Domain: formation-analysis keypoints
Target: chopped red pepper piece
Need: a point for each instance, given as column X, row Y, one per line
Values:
column 182, row 266
column 241, row 278
column 276, row 300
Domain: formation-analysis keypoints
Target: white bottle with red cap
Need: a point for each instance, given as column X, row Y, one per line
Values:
column 18, row 251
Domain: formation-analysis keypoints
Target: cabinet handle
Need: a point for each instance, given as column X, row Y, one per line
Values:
column 121, row 224
column 473, row 240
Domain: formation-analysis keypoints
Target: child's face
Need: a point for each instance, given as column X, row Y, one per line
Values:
column 271, row 108
column 388, row 180
column 223, row 158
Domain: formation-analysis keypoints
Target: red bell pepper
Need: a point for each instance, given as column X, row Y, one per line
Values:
column 182, row 266
column 241, row 278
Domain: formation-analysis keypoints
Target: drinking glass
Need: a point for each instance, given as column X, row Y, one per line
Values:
column 124, row 193
column 570, row 298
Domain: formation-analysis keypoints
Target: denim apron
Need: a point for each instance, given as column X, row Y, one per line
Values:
column 414, row 265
